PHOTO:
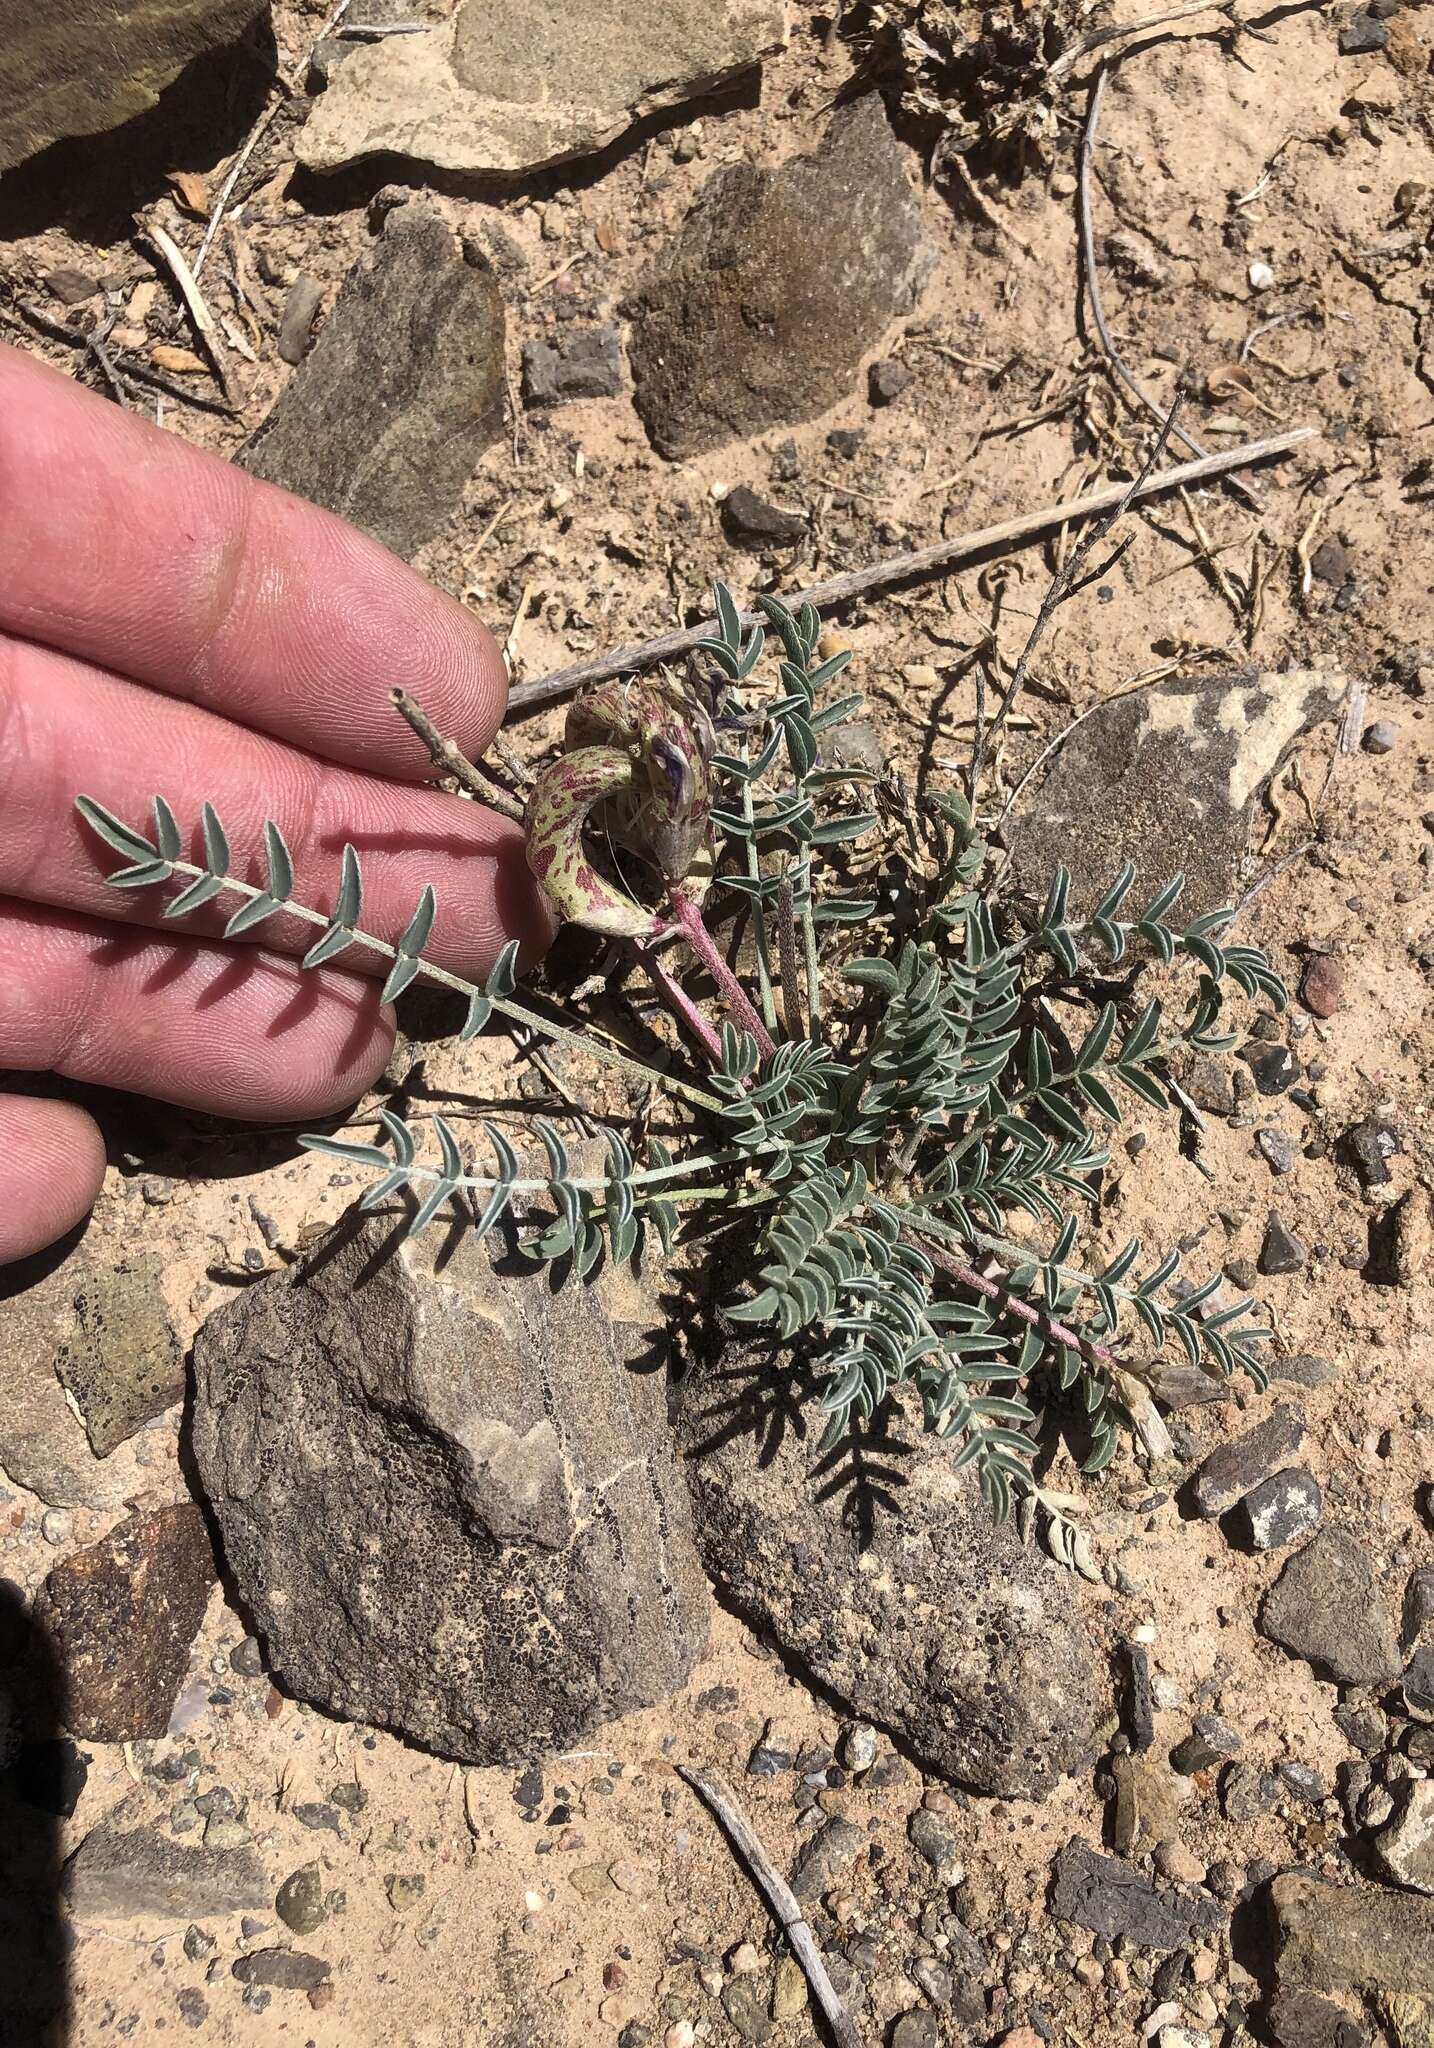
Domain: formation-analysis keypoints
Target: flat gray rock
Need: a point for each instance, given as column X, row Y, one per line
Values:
column 508, row 86
column 1233, row 1468
column 1108, row 1897
column 1168, row 779
column 1327, row 1608
column 449, row 1501
column 122, row 1872
column 917, row 1613
column 583, row 365
column 385, row 419
column 42, row 1443
column 1351, row 1937
column 777, row 285
column 124, row 1364
column 83, row 66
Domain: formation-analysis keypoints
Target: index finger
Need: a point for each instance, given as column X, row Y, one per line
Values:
column 127, row 546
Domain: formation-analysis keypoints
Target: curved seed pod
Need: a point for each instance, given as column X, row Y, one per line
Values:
column 669, row 735
column 602, row 717
column 558, row 809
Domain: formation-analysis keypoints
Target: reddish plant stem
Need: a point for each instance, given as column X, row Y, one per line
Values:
column 1038, row 1318
column 689, row 917
column 1143, row 1412
column 681, row 1004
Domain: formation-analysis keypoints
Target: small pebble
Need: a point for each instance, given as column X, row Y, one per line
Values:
column 221, row 1833
column 1362, row 36
column 858, row 1747
column 1380, row 737
column 1322, row 985
column 1277, row 1149
column 1281, row 1251
column 57, row 1525
column 1179, row 1864
column 1279, row 1510
column 886, row 380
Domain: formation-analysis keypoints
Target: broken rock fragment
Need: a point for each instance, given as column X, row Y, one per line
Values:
column 976, row 1651
column 1110, row 1898
column 1327, row 1607
column 124, row 1870
column 1351, row 1937
column 386, row 417
column 88, row 65
column 777, row 285
column 507, row 86
column 1169, row 779
column 124, row 1614
column 1235, row 1467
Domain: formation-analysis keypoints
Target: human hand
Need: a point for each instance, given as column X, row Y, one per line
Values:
column 168, row 625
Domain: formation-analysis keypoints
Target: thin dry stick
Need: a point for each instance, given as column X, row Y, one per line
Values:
column 1062, row 584
column 1209, row 558
column 206, row 326
column 945, row 554
column 1099, row 38
column 447, row 755
column 515, row 631
column 717, row 1795
column 1092, row 280
column 261, row 127
column 129, row 365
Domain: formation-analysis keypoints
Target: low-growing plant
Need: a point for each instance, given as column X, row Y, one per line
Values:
column 876, row 1099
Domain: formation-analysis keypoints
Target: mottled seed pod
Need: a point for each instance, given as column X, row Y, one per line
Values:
column 640, row 751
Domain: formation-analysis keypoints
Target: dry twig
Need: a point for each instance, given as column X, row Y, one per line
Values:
column 943, row 555
column 1101, row 38
column 447, row 755
column 129, row 365
column 206, row 327
column 721, row 1800
column 252, row 140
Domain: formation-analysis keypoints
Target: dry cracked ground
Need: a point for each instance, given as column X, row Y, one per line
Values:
column 578, row 311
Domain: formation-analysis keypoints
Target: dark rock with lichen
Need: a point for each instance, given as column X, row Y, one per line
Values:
column 882, row 1576
column 778, row 284
column 448, row 1499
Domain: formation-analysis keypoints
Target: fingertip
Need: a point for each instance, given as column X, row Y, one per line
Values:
column 52, row 1167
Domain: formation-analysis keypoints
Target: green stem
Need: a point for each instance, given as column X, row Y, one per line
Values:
column 759, row 915
column 809, row 935
column 517, row 1013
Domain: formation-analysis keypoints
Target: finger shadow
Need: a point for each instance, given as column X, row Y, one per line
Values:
column 42, row 1774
